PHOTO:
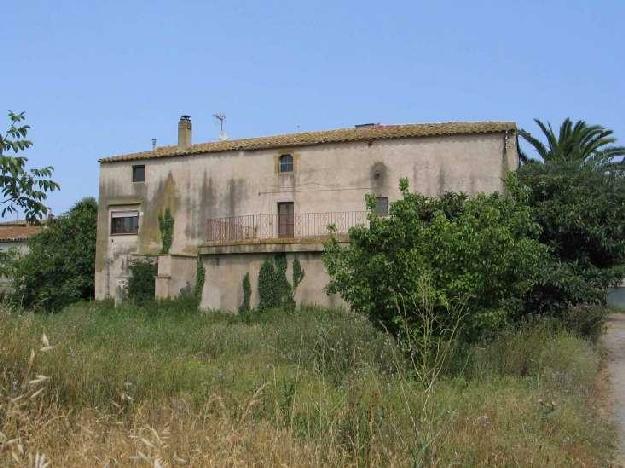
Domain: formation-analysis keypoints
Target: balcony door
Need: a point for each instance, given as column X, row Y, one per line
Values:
column 286, row 219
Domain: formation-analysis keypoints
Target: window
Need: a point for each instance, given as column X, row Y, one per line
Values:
column 381, row 206
column 124, row 222
column 286, row 219
column 286, row 163
column 138, row 173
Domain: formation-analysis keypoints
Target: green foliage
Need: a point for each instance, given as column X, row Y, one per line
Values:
column 274, row 289
column 22, row 190
column 581, row 211
column 322, row 380
column 199, row 278
column 59, row 267
column 166, row 226
column 267, row 292
column 587, row 321
column 247, row 293
column 141, row 283
column 579, row 143
column 298, row 274
column 480, row 255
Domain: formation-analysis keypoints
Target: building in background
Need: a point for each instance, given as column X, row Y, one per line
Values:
column 235, row 203
column 14, row 236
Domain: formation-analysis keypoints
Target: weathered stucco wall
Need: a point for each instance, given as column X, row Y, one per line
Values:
column 326, row 178
column 226, row 268
column 175, row 274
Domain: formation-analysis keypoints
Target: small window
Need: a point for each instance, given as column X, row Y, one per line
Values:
column 138, row 173
column 125, row 222
column 381, row 206
column 286, row 163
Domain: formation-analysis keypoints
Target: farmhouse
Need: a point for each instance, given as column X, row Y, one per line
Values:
column 14, row 236
column 233, row 203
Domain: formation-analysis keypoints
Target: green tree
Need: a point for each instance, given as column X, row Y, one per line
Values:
column 577, row 143
column 22, row 189
column 59, row 267
column 479, row 254
column 577, row 194
column 581, row 212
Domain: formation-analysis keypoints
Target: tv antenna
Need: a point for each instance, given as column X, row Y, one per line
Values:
column 221, row 117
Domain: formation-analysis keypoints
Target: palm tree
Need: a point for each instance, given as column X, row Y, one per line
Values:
column 576, row 143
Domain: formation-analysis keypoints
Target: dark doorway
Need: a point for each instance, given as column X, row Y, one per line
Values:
column 286, row 219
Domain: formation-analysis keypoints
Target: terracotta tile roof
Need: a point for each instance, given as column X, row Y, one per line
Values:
column 369, row 133
column 17, row 231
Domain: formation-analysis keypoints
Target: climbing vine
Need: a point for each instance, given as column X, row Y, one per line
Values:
column 298, row 274
column 247, row 293
column 274, row 289
column 199, row 278
column 141, row 281
column 166, row 226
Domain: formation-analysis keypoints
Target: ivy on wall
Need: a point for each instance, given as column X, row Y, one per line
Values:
column 298, row 274
column 141, row 281
column 166, row 226
column 199, row 278
column 247, row 293
column 274, row 289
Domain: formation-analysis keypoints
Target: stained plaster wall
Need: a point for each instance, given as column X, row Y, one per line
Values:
column 326, row 178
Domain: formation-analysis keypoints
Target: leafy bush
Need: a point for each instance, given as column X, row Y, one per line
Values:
column 59, row 267
column 581, row 211
column 479, row 255
column 141, row 285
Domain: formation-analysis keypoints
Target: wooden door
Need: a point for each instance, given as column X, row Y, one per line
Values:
column 286, row 219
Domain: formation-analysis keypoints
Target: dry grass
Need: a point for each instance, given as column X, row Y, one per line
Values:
column 172, row 388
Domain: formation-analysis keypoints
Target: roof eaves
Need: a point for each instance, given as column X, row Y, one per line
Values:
column 379, row 132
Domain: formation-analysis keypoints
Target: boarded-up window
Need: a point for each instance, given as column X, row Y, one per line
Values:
column 381, row 206
column 124, row 222
column 138, row 173
column 286, row 163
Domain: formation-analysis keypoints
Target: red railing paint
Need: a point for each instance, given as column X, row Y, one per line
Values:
column 267, row 226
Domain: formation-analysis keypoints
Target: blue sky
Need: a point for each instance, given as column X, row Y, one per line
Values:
column 105, row 77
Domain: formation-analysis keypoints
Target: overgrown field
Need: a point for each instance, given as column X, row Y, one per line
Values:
column 169, row 386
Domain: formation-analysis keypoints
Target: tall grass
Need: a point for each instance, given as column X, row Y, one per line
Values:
column 165, row 384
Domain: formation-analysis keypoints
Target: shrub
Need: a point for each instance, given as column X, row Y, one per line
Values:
column 585, row 320
column 479, row 254
column 141, row 283
column 581, row 211
column 59, row 267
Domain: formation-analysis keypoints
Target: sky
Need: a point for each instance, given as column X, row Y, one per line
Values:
column 99, row 78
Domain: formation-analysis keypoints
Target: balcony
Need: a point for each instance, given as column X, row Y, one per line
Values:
column 258, row 227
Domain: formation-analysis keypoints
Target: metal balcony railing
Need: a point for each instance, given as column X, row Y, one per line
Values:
column 271, row 226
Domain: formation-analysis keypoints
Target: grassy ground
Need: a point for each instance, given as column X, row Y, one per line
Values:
column 166, row 385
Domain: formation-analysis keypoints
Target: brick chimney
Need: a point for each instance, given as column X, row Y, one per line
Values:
column 184, row 131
